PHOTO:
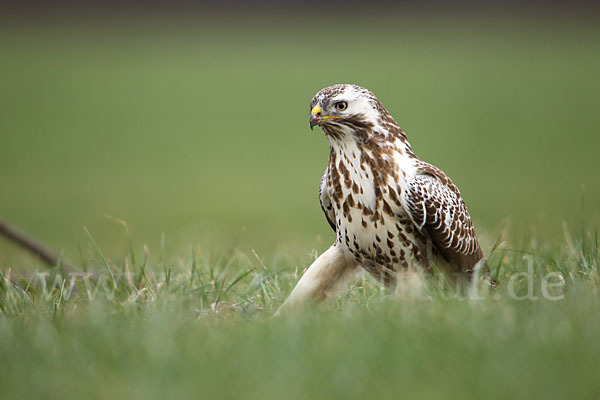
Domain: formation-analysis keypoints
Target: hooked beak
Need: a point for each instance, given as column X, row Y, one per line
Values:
column 314, row 120
column 316, row 117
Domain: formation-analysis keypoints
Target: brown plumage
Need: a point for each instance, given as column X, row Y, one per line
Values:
column 390, row 210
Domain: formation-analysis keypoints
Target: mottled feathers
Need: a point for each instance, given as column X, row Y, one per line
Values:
column 438, row 210
column 389, row 209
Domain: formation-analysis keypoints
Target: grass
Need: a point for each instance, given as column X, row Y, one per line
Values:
column 196, row 136
column 203, row 326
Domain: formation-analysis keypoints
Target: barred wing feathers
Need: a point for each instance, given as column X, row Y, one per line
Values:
column 439, row 212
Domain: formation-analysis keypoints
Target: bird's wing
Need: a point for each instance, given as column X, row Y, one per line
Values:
column 325, row 201
column 439, row 212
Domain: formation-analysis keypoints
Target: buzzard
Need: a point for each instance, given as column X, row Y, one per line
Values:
column 391, row 211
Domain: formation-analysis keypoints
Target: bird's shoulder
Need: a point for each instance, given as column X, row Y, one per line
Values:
column 424, row 169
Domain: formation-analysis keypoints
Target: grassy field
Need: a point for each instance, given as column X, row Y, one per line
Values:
column 174, row 163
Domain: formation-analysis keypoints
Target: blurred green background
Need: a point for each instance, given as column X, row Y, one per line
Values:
column 197, row 129
column 194, row 130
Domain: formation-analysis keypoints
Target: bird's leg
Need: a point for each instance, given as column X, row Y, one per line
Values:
column 329, row 271
column 410, row 282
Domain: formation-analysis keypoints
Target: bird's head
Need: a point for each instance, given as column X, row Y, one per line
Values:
column 342, row 108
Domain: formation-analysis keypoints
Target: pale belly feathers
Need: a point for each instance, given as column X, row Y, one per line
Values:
column 371, row 222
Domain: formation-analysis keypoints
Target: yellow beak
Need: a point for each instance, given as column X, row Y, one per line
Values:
column 316, row 117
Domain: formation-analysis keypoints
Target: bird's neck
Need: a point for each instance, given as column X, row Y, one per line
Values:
column 382, row 139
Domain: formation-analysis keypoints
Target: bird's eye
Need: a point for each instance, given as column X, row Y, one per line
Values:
column 341, row 105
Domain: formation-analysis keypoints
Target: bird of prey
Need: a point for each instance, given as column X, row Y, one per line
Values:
column 391, row 211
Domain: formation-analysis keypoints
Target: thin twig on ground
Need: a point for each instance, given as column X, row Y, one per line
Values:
column 31, row 244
